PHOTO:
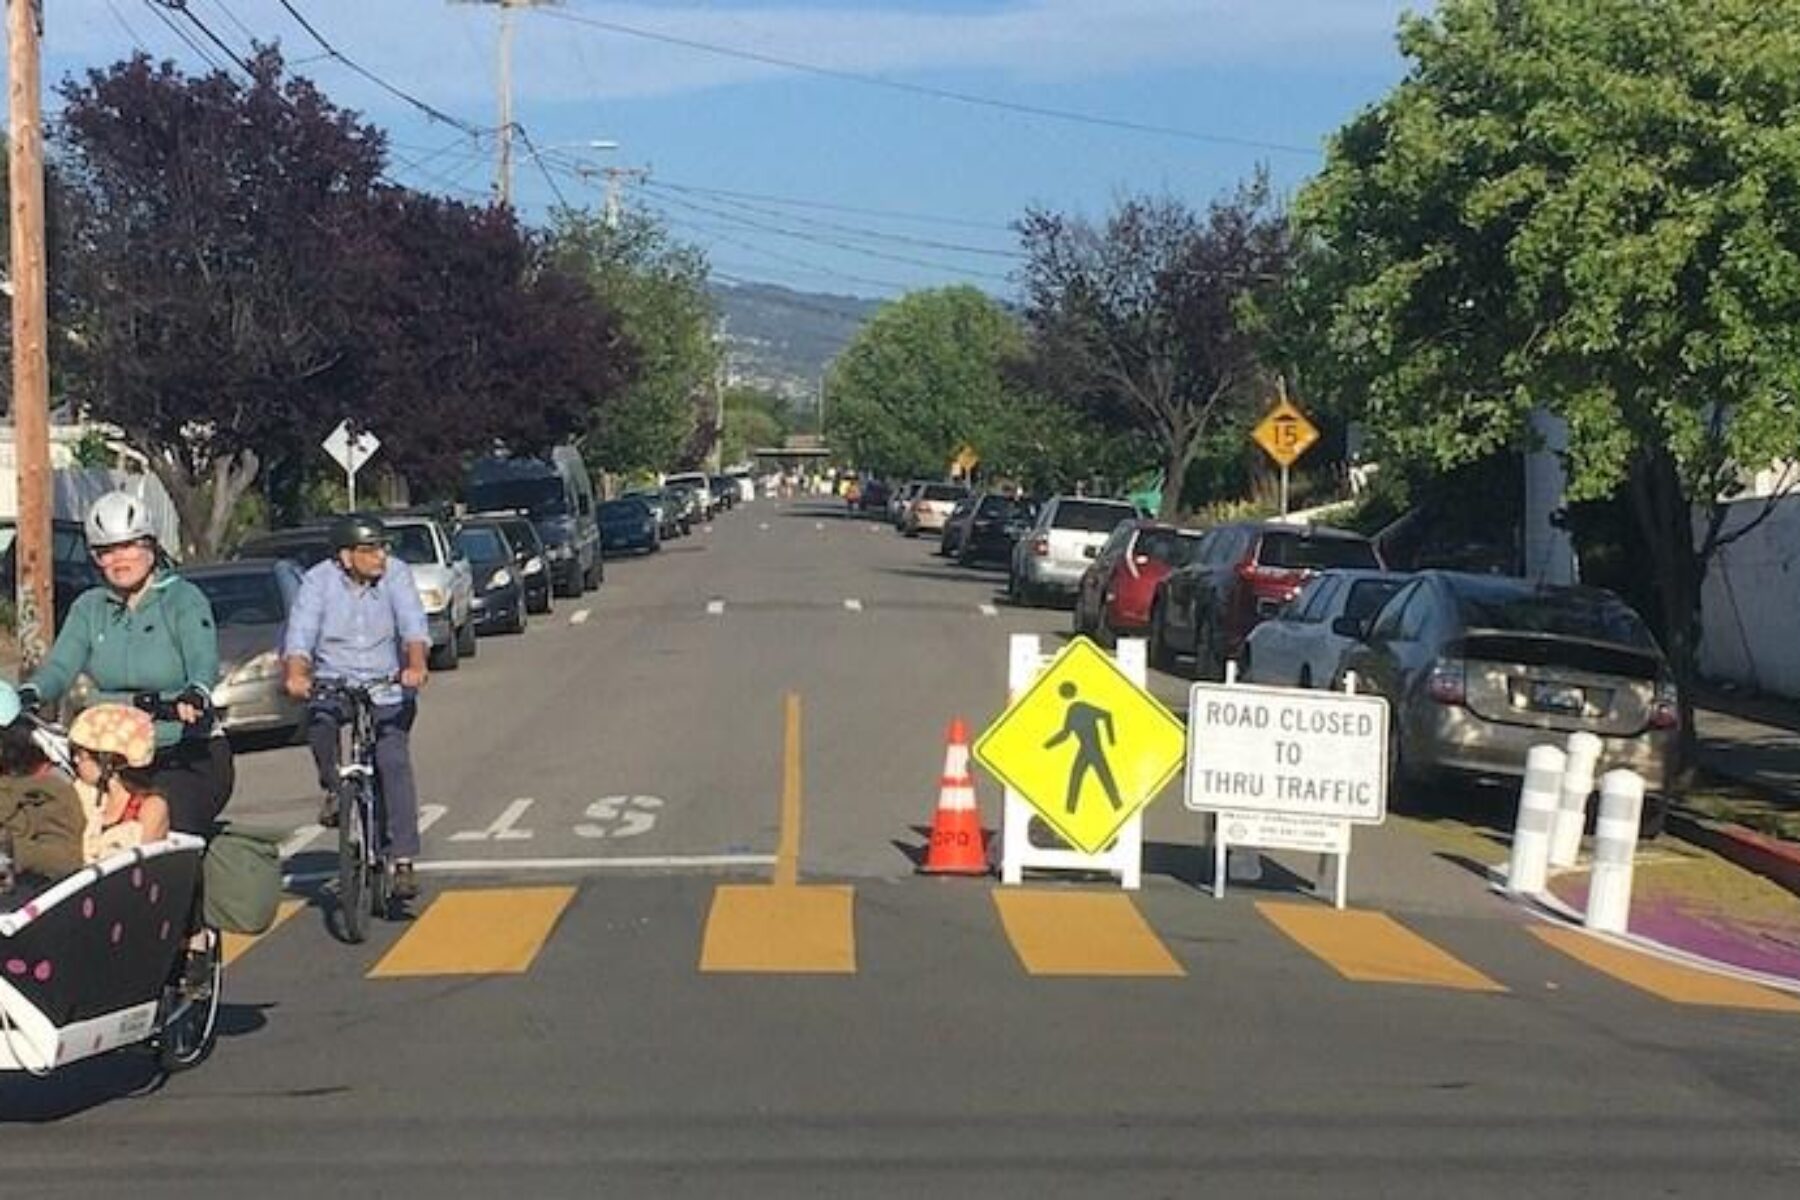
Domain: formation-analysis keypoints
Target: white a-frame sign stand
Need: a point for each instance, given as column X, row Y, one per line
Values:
column 1125, row 856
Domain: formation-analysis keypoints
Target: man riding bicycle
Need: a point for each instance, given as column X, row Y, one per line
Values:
column 357, row 620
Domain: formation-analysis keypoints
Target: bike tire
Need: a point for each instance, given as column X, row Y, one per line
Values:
column 350, row 865
column 189, row 1028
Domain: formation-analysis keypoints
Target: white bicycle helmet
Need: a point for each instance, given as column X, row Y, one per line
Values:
column 117, row 518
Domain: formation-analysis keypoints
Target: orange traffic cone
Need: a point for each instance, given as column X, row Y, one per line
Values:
column 957, row 844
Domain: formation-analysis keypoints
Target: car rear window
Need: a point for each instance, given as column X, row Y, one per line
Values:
column 1298, row 551
column 1559, row 612
column 1089, row 516
column 943, row 491
column 1169, row 546
column 625, row 508
column 1368, row 595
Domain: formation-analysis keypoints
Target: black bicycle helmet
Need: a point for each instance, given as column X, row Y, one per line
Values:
column 357, row 529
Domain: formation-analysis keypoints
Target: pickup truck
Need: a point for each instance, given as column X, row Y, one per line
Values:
column 445, row 581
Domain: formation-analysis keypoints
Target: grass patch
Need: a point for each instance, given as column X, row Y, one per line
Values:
column 1726, row 800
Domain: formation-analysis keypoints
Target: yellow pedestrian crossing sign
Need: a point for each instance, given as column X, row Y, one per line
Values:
column 1085, row 746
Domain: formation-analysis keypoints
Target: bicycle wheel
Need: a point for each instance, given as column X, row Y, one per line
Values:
column 350, row 862
column 189, row 1022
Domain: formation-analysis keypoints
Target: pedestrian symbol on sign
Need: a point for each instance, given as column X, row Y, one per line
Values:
column 1084, row 723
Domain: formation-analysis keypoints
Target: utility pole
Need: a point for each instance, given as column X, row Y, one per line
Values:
column 503, row 169
column 30, row 333
column 615, row 176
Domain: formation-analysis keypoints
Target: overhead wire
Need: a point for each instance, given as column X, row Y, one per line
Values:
column 919, row 89
column 795, row 202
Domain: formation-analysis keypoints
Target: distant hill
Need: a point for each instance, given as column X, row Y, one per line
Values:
column 782, row 339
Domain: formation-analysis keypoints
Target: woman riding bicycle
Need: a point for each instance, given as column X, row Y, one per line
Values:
column 147, row 631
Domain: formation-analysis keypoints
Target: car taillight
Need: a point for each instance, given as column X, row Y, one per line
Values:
column 1448, row 682
column 1665, row 710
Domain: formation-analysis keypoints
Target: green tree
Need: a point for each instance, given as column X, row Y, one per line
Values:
column 753, row 418
column 1145, row 321
column 657, row 288
column 1591, row 206
column 926, row 376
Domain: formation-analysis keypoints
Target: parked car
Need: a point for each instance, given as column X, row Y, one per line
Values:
column 701, row 486
column 691, row 502
column 1301, row 645
column 1241, row 574
column 902, row 498
column 445, row 581
column 996, row 522
column 628, row 524
column 1049, row 558
column 251, row 598
column 725, row 491
column 72, row 569
column 499, row 600
column 930, row 507
column 1477, row 669
column 528, row 557
column 1117, row 589
column 956, row 526
column 873, row 496
column 558, row 495
column 303, row 544
column 671, row 521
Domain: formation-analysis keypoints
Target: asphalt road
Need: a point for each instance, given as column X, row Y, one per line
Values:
column 602, row 995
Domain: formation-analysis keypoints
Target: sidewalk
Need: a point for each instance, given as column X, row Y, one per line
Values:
column 1754, row 744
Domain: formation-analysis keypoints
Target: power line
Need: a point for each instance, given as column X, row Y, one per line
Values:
column 791, row 202
column 918, row 89
column 232, row 17
column 790, row 261
column 542, row 166
column 200, row 51
column 854, row 230
column 331, row 51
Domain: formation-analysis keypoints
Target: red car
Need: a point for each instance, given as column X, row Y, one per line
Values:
column 1116, row 591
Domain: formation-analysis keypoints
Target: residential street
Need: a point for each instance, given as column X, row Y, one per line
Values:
column 604, row 994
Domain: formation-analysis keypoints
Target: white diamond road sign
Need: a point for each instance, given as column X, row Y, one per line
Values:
column 352, row 456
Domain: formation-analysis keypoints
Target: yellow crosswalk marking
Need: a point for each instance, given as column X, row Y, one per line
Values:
column 1671, row 981
column 496, row 931
column 776, row 929
column 236, row 945
column 1082, row 933
column 1372, row 947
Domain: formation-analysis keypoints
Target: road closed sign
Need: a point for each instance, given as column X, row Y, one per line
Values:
column 1283, row 750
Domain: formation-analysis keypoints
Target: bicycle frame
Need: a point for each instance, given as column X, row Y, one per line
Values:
column 363, row 861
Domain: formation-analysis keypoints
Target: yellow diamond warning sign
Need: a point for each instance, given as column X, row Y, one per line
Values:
column 1085, row 746
column 1285, row 433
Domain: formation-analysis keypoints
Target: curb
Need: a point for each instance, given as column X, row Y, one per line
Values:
column 1772, row 858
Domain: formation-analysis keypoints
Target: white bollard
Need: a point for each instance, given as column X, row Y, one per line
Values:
column 1526, row 874
column 1615, row 844
column 1577, row 786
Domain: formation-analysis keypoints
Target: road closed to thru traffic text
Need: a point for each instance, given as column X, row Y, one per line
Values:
column 1280, row 750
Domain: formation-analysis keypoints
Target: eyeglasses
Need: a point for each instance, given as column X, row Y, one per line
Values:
column 370, row 548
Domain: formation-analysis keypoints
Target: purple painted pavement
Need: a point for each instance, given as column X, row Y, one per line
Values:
column 1772, row 948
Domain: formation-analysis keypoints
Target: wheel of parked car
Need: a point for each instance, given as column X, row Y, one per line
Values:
column 1158, row 650
column 1209, row 658
column 1305, row 674
column 448, row 658
column 465, row 640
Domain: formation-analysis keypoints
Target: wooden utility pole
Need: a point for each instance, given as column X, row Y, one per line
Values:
column 503, row 170
column 30, row 334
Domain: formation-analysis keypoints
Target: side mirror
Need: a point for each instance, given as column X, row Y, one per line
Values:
column 1350, row 627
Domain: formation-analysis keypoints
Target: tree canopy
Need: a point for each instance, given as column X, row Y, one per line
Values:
column 1588, row 206
column 1143, row 321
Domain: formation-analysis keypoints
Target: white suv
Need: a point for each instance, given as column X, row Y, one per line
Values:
column 1052, row 556
column 445, row 581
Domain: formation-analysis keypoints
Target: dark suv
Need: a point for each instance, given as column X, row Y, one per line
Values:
column 1238, row 575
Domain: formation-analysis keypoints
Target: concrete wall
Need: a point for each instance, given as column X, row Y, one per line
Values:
column 1750, row 604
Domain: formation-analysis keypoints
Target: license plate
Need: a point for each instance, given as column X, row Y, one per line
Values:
column 1557, row 697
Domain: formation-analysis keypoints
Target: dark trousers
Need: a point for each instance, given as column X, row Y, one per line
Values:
column 195, row 777
column 393, row 764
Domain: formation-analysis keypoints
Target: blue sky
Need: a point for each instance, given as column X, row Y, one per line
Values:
column 744, row 153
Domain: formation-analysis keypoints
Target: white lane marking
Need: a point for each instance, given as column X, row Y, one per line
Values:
column 988, row 610
column 763, row 525
column 431, row 814
column 625, row 816
column 819, row 525
column 853, row 605
column 714, row 607
column 579, row 616
column 665, row 862
column 502, row 829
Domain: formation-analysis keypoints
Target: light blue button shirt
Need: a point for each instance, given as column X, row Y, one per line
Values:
column 354, row 631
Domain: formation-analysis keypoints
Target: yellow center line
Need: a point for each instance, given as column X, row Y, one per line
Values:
column 787, row 853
